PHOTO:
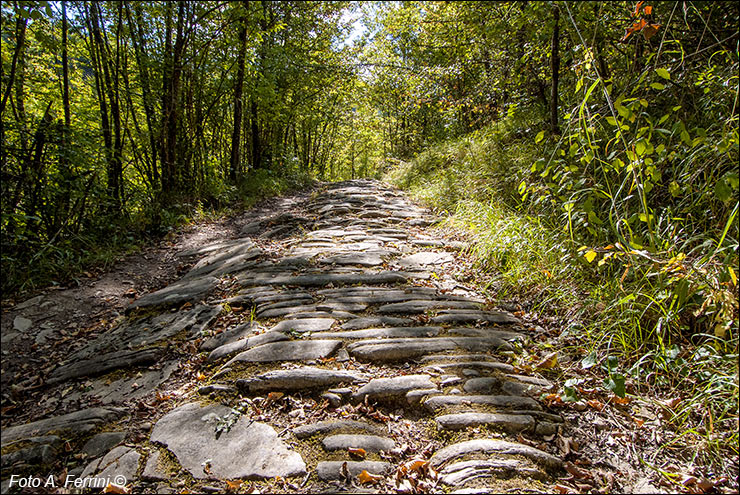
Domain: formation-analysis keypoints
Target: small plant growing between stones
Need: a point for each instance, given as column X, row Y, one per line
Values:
column 225, row 422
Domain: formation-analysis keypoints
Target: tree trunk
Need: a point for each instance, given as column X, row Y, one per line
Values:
column 236, row 135
column 256, row 147
column 20, row 37
column 139, row 43
column 555, row 69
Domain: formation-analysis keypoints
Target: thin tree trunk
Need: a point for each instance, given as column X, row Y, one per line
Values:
column 238, row 90
column 20, row 40
column 555, row 68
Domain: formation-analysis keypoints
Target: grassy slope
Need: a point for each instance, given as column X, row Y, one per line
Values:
column 609, row 323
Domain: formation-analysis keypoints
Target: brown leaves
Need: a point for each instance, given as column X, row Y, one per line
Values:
column 415, row 476
column 233, row 485
column 111, row 488
column 357, row 452
column 548, row 362
column 364, row 477
column 643, row 25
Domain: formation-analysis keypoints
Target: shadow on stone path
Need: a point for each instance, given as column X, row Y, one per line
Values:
column 324, row 342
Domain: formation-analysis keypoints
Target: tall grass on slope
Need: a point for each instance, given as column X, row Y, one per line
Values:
column 660, row 324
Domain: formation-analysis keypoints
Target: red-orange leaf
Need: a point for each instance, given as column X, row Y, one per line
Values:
column 357, row 452
column 648, row 9
column 365, row 477
column 637, row 26
column 636, row 13
column 111, row 488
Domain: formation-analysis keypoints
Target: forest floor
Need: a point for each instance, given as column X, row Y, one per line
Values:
column 320, row 342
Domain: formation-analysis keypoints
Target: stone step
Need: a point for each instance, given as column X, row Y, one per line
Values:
column 510, row 422
column 390, row 350
column 191, row 432
column 395, row 388
column 369, row 443
column 335, row 426
column 496, row 448
column 291, row 350
column 421, row 306
column 498, row 402
column 379, row 333
column 323, row 279
column 298, row 379
column 333, row 470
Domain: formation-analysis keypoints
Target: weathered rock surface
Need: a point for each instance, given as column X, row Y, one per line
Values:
column 370, row 443
column 248, row 449
column 494, row 447
column 406, row 349
column 439, row 402
column 332, row 470
column 298, row 379
column 292, row 350
column 509, row 422
column 187, row 290
column 338, row 426
column 392, row 388
column 81, row 421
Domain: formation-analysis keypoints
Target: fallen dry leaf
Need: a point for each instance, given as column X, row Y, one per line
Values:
column 595, row 404
column 563, row 489
column 200, row 377
column 232, row 486
column 577, row 472
column 357, row 452
column 364, row 477
column 111, row 488
column 548, row 362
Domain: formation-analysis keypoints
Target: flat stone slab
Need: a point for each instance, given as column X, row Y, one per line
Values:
column 370, row 443
column 374, row 321
column 497, row 447
column 438, row 402
column 298, row 379
column 105, row 363
column 248, row 343
column 22, row 324
column 509, row 422
column 412, row 348
column 291, row 350
column 38, row 453
column 360, row 259
column 228, row 336
column 392, row 388
column 471, row 365
column 285, row 311
column 153, row 469
column 135, row 333
column 330, row 426
column 121, row 461
column 469, row 316
column 425, row 258
column 102, row 442
column 304, row 325
column 332, row 470
column 248, row 449
column 379, row 333
column 420, row 306
column 187, row 290
column 127, row 387
column 324, row 279
column 460, row 473
column 78, row 422
column 486, row 332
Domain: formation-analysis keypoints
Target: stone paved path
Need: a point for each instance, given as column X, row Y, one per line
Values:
column 324, row 342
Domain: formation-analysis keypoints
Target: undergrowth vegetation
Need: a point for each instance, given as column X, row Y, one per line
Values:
column 29, row 263
column 658, row 319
